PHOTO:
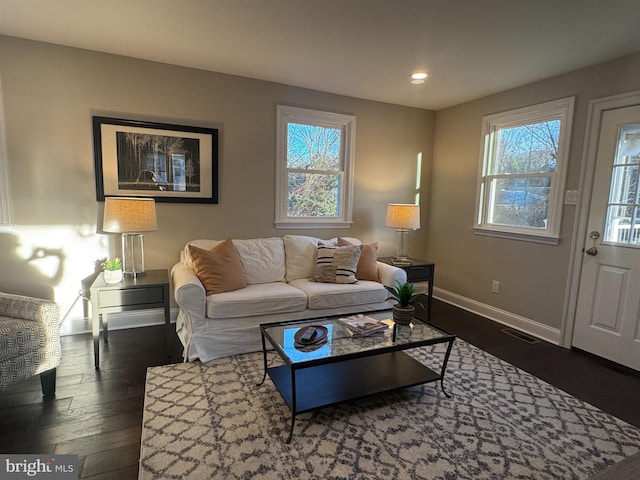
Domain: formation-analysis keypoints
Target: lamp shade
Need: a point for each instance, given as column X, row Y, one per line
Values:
column 403, row 216
column 129, row 215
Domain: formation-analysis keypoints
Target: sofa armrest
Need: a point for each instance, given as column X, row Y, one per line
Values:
column 188, row 290
column 390, row 275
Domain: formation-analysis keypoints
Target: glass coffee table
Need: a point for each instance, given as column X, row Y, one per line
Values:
column 344, row 367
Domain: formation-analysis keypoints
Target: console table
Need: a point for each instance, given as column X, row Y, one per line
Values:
column 417, row 271
column 150, row 290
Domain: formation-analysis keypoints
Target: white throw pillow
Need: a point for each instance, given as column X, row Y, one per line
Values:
column 263, row 259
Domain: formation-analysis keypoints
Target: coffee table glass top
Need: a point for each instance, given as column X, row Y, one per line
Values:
column 339, row 343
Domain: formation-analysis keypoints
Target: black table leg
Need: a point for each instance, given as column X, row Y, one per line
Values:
column 293, row 404
column 444, row 367
column 264, row 354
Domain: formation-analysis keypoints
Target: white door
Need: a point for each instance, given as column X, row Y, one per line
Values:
column 607, row 319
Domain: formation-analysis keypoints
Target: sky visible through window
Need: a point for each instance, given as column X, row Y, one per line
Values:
column 314, row 164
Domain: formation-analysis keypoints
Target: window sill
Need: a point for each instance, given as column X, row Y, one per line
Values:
column 312, row 223
column 524, row 237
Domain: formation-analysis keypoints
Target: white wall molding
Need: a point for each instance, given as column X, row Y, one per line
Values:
column 133, row 319
column 537, row 329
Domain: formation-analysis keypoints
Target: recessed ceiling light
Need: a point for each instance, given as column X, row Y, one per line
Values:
column 418, row 77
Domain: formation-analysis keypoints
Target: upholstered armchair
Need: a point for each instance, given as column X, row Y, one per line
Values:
column 29, row 340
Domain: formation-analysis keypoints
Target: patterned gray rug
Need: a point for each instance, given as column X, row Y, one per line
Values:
column 213, row 422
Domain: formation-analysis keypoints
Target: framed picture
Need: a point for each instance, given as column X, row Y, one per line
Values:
column 169, row 163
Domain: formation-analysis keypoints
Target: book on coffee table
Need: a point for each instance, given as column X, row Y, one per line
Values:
column 362, row 325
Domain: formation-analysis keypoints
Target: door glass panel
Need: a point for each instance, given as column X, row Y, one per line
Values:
column 628, row 145
column 623, row 211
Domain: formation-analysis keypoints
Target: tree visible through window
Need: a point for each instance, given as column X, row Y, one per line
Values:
column 525, row 161
column 314, row 164
column 313, row 170
column 522, row 170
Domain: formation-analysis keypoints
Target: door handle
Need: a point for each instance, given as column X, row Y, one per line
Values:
column 593, row 251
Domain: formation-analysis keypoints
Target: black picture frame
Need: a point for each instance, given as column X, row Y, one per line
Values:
column 170, row 163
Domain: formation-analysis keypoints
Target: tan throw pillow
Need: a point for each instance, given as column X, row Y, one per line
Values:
column 219, row 269
column 336, row 264
column 368, row 263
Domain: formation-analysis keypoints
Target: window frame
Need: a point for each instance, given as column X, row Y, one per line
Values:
column 6, row 217
column 561, row 110
column 347, row 124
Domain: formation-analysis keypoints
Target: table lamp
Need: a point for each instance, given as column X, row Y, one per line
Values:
column 130, row 216
column 403, row 218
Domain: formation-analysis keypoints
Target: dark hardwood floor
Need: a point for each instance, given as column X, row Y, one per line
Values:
column 97, row 414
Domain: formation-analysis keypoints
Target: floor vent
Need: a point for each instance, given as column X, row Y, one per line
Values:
column 525, row 337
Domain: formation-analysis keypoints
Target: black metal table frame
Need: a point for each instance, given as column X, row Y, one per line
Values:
column 411, row 372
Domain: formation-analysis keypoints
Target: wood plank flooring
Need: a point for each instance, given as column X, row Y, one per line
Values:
column 97, row 414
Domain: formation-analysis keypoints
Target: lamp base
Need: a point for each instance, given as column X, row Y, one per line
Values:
column 132, row 254
column 134, row 274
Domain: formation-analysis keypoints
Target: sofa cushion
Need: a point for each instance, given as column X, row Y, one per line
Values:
column 220, row 270
column 337, row 264
column 368, row 263
column 258, row 299
column 331, row 295
column 262, row 259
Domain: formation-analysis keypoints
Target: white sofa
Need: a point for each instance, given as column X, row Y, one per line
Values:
column 278, row 287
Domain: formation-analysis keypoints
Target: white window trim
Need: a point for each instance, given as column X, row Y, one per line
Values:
column 558, row 109
column 6, row 217
column 347, row 123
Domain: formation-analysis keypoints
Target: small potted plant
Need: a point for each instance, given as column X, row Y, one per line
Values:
column 112, row 270
column 402, row 311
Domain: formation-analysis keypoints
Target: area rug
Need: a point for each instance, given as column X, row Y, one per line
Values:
column 212, row 422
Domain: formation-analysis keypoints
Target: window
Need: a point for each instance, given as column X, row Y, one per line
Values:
column 5, row 198
column 522, row 172
column 314, row 165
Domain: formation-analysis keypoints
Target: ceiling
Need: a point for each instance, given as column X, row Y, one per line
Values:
column 359, row 48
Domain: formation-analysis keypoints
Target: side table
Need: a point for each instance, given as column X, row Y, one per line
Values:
column 417, row 271
column 150, row 290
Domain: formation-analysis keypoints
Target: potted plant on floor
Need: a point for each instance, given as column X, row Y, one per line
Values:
column 403, row 310
column 112, row 270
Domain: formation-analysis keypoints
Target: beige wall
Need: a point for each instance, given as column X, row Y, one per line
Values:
column 532, row 276
column 50, row 93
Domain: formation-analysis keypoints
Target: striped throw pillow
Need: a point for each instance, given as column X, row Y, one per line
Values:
column 336, row 264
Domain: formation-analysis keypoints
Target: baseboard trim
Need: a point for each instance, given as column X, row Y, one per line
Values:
column 537, row 329
column 132, row 319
